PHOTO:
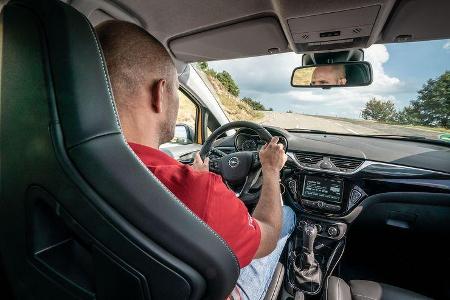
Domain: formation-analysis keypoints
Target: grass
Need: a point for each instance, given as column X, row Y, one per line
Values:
column 234, row 108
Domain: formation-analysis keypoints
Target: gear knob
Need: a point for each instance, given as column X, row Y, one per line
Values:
column 309, row 236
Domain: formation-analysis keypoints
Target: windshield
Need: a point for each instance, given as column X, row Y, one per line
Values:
column 409, row 96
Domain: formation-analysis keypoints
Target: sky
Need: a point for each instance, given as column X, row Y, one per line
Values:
column 399, row 70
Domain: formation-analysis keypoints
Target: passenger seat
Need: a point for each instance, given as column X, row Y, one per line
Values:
column 338, row 289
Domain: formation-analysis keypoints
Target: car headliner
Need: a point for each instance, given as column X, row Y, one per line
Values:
column 212, row 29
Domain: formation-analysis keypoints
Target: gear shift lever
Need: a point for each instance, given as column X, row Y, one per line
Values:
column 307, row 269
column 309, row 236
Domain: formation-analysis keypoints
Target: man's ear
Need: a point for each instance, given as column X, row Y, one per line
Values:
column 158, row 91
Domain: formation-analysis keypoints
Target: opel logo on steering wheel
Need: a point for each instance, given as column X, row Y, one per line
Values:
column 233, row 162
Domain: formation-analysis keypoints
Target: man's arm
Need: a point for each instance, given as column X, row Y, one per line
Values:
column 268, row 211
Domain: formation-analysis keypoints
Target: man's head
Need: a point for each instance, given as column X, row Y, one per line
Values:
column 329, row 75
column 144, row 82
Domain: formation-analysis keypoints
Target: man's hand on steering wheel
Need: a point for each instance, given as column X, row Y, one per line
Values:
column 241, row 170
column 199, row 164
column 272, row 156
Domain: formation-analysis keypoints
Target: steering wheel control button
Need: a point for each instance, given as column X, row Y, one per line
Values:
column 320, row 204
column 356, row 194
column 333, row 231
column 256, row 161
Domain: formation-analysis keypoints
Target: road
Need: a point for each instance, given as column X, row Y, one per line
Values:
column 340, row 125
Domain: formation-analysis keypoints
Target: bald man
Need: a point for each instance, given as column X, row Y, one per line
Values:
column 329, row 75
column 145, row 86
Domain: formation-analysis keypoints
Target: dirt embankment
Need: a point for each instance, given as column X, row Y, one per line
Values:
column 234, row 108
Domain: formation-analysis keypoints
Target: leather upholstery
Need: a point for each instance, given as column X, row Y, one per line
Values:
column 275, row 283
column 338, row 289
column 61, row 141
column 363, row 289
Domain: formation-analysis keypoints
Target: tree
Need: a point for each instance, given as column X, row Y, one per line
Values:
column 227, row 81
column 409, row 115
column 203, row 65
column 432, row 106
column 256, row 105
column 379, row 110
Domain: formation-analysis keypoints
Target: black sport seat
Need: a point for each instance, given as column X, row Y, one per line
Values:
column 338, row 289
column 80, row 216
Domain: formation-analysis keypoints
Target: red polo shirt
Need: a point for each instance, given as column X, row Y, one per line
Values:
column 208, row 197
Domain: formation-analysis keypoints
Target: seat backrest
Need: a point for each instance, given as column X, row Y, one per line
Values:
column 80, row 215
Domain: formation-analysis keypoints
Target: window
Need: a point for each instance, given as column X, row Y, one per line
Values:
column 185, row 131
column 187, row 112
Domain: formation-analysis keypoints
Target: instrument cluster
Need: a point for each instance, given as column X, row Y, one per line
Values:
column 252, row 142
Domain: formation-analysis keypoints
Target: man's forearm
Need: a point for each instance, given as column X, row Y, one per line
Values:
column 268, row 210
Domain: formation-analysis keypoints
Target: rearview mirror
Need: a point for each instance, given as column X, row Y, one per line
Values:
column 357, row 73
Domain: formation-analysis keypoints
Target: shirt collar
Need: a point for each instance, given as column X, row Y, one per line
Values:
column 151, row 156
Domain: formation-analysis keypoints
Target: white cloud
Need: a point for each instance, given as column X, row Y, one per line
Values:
column 267, row 79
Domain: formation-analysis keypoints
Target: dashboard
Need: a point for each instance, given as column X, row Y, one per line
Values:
column 336, row 176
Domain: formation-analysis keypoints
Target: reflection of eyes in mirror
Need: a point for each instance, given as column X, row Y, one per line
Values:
column 340, row 74
column 322, row 75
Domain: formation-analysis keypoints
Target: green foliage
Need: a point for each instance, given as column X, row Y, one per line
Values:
column 227, row 81
column 203, row 65
column 409, row 116
column 432, row 106
column 380, row 110
column 256, row 105
column 270, row 109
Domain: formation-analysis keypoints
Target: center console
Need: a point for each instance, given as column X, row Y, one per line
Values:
column 318, row 242
column 313, row 252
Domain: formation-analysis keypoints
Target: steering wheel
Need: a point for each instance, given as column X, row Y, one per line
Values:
column 240, row 170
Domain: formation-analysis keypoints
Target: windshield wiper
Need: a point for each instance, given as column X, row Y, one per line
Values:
column 306, row 130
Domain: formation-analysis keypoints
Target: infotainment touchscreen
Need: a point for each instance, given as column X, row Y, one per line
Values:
column 320, row 188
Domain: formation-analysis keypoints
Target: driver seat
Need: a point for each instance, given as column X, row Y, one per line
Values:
column 80, row 215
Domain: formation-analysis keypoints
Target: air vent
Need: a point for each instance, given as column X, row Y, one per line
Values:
column 308, row 158
column 305, row 36
column 344, row 163
column 356, row 30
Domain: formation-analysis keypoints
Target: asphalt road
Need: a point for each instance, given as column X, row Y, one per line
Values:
column 338, row 125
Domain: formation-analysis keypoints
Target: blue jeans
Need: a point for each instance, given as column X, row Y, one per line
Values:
column 255, row 278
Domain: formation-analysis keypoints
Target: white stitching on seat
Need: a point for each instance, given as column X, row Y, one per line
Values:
column 338, row 288
column 365, row 297
column 134, row 154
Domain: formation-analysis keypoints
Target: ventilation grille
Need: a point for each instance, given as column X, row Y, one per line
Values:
column 356, row 30
column 346, row 163
column 305, row 36
column 308, row 158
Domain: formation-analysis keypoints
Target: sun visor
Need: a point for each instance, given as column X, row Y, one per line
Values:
column 418, row 20
column 255, row 37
